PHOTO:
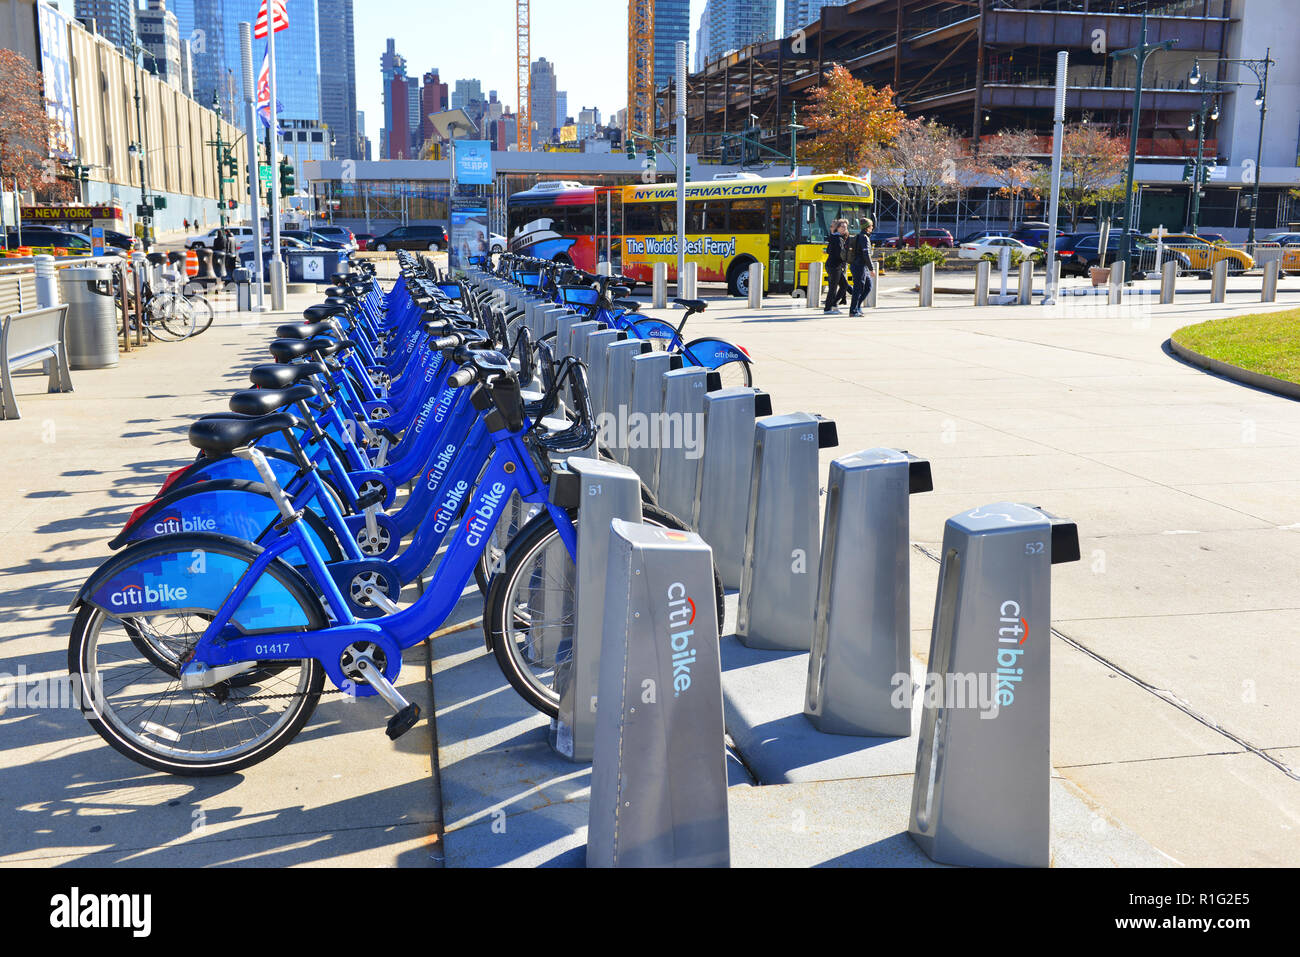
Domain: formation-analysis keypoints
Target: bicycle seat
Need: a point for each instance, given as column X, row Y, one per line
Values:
column 266, row 401
column 692, row 305
column 286, row 350
column 628, row 305
column 302, row 330
column 325, row 311
column 223, row 436
column 281, row 377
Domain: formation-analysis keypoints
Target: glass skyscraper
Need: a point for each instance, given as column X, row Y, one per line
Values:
column 734, row 24
column 114, row 19
column 800, row 13
column 672, row 23
column 338, row 76
column 212, row 26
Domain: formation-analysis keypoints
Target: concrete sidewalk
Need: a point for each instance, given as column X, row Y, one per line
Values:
column 77, row 464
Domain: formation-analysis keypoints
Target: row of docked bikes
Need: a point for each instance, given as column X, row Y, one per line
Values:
column 400, row 437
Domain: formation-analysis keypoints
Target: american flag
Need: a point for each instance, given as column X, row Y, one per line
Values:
column 278, row 14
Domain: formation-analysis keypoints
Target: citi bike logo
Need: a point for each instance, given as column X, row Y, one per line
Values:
column 442, row 518
column 1013, row 632
column 176, row 523
column 681, row 616
column 443, row 405
column 424, row 413
column 135, row 596
column 480, row 523
column 440, row 465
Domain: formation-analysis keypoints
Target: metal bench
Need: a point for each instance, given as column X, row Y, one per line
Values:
column 27, row 338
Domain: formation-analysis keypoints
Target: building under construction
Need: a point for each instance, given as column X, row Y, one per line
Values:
column 981, row 66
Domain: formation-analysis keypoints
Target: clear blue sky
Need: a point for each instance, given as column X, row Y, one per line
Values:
column 467, row 39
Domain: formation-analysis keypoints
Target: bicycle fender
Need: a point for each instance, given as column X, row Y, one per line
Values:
column 650, row 328
column 195, row 573
column 711, row 353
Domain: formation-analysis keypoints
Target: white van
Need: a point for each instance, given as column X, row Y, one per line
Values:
column 207, row 239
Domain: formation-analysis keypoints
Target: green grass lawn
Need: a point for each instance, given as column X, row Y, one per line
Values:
column 1267, row 343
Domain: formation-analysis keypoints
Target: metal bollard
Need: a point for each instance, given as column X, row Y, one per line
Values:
column 604, row 268
column 875, row 286
column 682, row 444
column 1168, row 277
column 862, row 646
column 721, row 506
column 814, row 285
column 659, row 778
column 980, row 795
column 1025, row 288
column 597, row 359
column 47, row 282
column 601, row 491
column 1268, row 292
column 1219, row 281
column 659, row 293
column 778, row 587
column 1004, row 269
column 645, row 412
column 983, row 269
column 926, row 297
column 755, row 285
column 618, row 395
column 1115, row 295
column 689, row 281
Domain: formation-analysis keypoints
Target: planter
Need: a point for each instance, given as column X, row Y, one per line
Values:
column 1100, row 276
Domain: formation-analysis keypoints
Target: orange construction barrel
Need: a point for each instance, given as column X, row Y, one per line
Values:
column 191, row 263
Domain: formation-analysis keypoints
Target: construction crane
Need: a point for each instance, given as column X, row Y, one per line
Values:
column 523, row 57
column 640, row 67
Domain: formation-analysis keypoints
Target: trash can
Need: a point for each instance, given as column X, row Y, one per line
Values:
column 92, row 316
column 243, row 280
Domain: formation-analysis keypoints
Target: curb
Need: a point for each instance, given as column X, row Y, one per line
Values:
column 1257, row 380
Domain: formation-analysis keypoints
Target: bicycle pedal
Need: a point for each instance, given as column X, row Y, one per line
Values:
column 403, row 721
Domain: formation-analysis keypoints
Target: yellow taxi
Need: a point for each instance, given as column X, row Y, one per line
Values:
column 1203, row 254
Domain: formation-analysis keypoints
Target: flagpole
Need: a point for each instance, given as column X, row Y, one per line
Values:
column 277, row 261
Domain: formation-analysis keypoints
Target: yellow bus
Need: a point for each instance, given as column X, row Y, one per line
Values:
column 738, row 219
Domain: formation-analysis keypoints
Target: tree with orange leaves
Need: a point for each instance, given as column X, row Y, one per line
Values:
column 846, row 123
column 26, row 131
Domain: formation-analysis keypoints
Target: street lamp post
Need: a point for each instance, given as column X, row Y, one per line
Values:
column 1260, row 69
column 1198, row 122
column 140, row 147
column 1139, row 54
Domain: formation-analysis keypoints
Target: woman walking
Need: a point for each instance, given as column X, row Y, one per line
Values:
column 837, row 254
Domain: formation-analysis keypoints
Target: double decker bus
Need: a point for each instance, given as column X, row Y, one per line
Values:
column 738, row 219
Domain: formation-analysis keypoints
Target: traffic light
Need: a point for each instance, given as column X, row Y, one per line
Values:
column 631, row 148
column 287, row 184
column 231, row 204
column 688, row 174
column 651, row 155
column 1189, row 171
column 232, row 167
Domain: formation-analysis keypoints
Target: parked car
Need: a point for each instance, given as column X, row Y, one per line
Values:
column 313, row 237
column 1035, row 234
column 47, row 237
column 1204, row 254
column 1282, row 239
column 1141, row 259
column 245, row 246
column 364, row 240
column 940, row 238
column 496, row 243
column 981, row 233
column 208, row 238
column 412, row 237
column 339, row 234
column 992, row 246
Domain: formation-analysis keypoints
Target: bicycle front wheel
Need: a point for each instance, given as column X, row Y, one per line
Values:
column 203, row 313
column 529, row 612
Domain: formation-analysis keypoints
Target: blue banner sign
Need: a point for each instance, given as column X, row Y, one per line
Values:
column 474, row 162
